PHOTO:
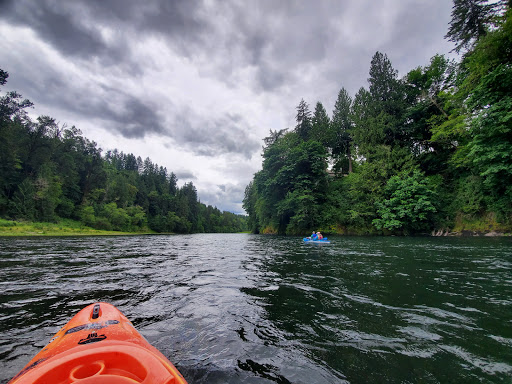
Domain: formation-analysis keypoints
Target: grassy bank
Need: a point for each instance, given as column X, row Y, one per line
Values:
column 61, row 228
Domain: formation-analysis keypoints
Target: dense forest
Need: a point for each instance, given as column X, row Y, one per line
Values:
column 431, row 151
column 48, row 172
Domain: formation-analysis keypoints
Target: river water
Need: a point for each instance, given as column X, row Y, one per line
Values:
column 240, row 308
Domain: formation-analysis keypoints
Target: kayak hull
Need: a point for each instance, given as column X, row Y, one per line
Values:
column 99, row 345
column 309, row 241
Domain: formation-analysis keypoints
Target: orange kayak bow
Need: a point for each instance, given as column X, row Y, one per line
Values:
column 99, row 345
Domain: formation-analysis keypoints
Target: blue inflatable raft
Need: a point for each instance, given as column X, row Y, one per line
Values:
column 323, row 241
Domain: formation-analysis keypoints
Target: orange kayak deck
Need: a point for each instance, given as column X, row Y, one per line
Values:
column 99, row 345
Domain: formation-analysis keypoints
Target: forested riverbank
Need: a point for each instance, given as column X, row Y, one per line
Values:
column 62, row 227
column 428, row 153
column 50, row 172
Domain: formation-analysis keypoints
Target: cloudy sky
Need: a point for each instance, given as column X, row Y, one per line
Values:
column 197, row 85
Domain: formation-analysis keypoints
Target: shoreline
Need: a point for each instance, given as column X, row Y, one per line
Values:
column 69, row 228
column 64, row 228
column 470, row 233
column 11, row 228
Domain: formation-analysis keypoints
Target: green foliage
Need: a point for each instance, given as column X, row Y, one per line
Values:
column 470, row 21
column 320, row 125
column 340, row 133
column 249, row 204
column 287, row 193
column 490, row 150
column 117, row 217
column 407, row 205
column 137, row 217
column 432, row 150
column 49, row 172
column 366, row 185
column 489, row 86
column 303, row 118
column 7, row 223
column 48, row 190
column 469, row 196
column 22, row 204
column 87, row 216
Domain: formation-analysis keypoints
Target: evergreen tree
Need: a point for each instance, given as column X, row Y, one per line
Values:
column 320, row 125
column 470, row 20
column 49, row 172
column 13, row 143
column 388, row 98
column 303, row 118
column 173, row 184
column 428, row 92
column 365, row 138
column 341, row 127
column 379, row 114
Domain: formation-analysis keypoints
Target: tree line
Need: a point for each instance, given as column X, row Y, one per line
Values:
column 49, row 172
column 429, row 151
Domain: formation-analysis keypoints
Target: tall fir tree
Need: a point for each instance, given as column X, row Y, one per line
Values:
column 303, row 118
column 470, row 20
column 320, row 125
column 341, row 127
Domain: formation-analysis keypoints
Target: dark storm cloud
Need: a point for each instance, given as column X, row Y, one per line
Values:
column 213, row 137
column 276, row 38
column 118, row 110
column 73, row 27
column 69, row 27
column 130, row 116
column 284, row 39
column 282, row 42
column 180, row 22
column 136, row 119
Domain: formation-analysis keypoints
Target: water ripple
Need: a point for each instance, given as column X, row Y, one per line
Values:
column 267, row 309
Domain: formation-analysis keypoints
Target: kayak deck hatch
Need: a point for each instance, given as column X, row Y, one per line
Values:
column 99, row 345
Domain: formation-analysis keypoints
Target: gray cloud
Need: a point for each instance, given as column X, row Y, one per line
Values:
column 120, row 111
column 274, row 37
column 153, row 69
column 70, row 28
column 279, row 39
column 205, row 137
column 136, row 119
column 422, row 19
column 58, row 23
column 129, row 115
column 184, row 175
column 74, row 27
column 226, row 197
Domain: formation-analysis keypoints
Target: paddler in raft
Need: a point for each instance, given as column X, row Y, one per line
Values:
column 313, row 236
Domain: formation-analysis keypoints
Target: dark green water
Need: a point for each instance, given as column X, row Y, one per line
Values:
column 259, row 309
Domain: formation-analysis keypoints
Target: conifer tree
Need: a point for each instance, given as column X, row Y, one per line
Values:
column 470, row 20
column 303, row 119
column 320, row 125
column 341, row 126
